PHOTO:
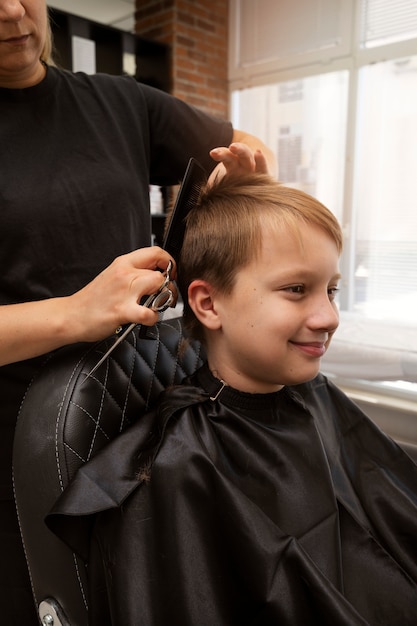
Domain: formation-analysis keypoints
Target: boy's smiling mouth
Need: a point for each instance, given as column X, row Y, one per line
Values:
column 313, row 348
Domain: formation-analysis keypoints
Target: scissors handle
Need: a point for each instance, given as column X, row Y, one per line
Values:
column 157, row 302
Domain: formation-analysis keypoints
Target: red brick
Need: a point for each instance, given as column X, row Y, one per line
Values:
column 197, row 32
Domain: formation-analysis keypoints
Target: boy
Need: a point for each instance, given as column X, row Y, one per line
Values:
column 263, row 495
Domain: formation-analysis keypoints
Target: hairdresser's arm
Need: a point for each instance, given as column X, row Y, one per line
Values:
column 93, row 313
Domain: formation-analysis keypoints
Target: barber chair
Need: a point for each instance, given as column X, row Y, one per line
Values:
column 64, row 420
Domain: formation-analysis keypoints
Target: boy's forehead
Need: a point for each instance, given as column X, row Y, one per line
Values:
column 279, row 233
column 297, row 246
column 293, row 232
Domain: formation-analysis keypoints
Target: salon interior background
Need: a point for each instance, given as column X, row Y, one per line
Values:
column 331, row 86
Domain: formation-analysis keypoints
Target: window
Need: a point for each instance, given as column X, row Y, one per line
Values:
column 385, row 257
column 344, row 128
column 304, row 122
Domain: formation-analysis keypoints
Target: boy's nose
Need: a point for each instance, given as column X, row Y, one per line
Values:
column 325, row 316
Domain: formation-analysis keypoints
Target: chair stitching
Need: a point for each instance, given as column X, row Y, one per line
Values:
column 173, row 355
column 23, row 543
column 152, row 379
column 91, row 416
column 129, row 378
column 77, row 454
column 97, row 422
column 61, row 405
column 15, row 498
column 151, row 366
column 59, row 477
column 107, row 392
column 103, row 432
column 129, row 383
column 80, row 582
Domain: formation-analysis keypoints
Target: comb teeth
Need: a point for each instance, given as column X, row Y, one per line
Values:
column 188, row 195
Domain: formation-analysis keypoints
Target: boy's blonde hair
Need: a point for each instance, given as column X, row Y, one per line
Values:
column 224, row 231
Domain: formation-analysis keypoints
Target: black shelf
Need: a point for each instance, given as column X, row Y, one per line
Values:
column 152, row 58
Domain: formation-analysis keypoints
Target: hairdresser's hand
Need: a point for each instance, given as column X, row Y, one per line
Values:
column 239, row 159
column 112, row 298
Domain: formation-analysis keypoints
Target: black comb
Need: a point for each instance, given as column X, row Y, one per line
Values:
column 188, row 195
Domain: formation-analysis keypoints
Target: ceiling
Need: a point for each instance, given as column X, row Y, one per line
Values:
column 118, row 13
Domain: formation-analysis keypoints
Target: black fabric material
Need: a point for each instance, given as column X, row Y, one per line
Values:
column 287, row 508
column 77, row 156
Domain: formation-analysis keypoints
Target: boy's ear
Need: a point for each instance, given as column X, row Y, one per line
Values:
column 201, row 301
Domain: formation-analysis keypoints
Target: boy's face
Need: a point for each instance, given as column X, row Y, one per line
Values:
column 279, row 319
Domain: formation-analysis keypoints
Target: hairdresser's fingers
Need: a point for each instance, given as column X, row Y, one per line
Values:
column 244, row 155
column 144, row 282
column 261, row 164
column 250, row 161
column 222, row 155
column 150, row 258
column 228, row 165
column 236, row 161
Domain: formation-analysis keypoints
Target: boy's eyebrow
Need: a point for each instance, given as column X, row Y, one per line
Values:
column 301, row 273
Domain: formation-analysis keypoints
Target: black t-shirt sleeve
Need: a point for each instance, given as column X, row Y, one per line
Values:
column 179, row 131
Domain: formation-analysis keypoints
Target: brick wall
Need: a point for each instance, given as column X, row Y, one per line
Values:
column 196, row 32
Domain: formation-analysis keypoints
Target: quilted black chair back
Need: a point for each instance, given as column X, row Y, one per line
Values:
column 64, row 420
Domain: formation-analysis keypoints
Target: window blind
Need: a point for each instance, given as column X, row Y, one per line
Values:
column 387, row 21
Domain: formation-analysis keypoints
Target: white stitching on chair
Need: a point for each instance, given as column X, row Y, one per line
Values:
column 24, row 545
column 74, row 452
column 57, row 423
column 17, row 508
column 97, row 422
column 129, row 385
column 80, row 582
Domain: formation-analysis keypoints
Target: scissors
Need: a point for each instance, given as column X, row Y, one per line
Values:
column 158, row 301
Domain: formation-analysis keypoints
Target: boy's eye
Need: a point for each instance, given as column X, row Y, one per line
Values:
column 298, row 289
column 332, row 291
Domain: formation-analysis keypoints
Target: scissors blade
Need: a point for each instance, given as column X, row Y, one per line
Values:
column 110, row 350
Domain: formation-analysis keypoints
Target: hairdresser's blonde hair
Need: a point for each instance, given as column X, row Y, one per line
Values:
column 48, row 47
column 224, row 232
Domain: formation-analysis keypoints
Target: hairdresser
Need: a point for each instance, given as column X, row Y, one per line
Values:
column 78, row 154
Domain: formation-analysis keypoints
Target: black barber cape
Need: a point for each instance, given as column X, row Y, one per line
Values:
column 289, row 508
